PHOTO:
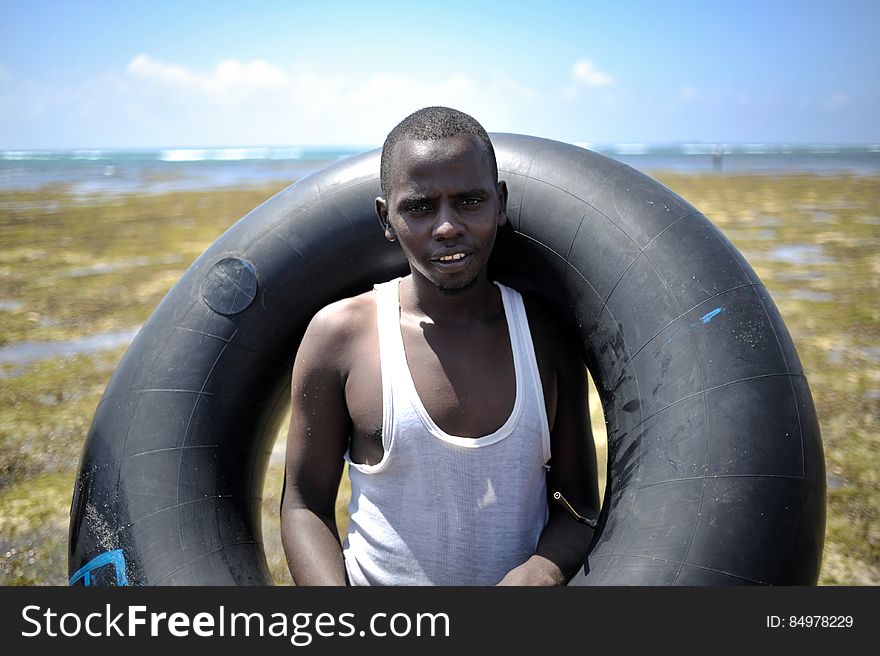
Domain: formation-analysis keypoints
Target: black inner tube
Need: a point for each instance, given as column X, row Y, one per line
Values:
column 715, row 467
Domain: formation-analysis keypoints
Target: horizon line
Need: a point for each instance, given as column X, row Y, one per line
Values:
column 363, row 148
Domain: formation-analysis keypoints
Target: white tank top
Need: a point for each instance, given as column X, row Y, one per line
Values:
column 439, row 509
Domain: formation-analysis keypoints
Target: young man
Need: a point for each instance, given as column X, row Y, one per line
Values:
column 446, row 394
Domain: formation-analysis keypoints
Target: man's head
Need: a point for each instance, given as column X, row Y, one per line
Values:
column 432, row 124
column 442, row 199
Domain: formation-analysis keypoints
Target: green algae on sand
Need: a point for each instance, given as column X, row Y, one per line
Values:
column 73, row 266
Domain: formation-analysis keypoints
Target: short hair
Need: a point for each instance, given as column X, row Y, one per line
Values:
column 432, row 124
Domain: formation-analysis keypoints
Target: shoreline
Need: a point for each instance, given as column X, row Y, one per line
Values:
column 103, row 185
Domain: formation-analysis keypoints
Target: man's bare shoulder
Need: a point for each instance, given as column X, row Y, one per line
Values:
column 343, row 321
column 338, row 331
column 346, row 316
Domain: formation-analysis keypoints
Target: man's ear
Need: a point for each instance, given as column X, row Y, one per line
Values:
column 501, row 189
column 382, row 213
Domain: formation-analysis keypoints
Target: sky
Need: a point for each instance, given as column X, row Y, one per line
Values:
column 138, row 74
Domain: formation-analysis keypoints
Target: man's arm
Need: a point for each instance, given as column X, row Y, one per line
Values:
column 316, row 443
column 564, row 542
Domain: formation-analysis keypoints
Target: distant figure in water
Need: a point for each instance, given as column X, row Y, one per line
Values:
column 717, row 154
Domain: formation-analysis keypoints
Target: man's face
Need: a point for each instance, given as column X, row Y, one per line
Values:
column 444, row 208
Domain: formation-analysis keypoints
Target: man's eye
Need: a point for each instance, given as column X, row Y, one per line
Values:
column 420, row 208
column 470, row 202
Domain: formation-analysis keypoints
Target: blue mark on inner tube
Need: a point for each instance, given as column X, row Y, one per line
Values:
column 115, row 557
column 706, row 318
column 230, row 286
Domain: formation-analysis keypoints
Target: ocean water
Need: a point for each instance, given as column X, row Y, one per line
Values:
column 172, row 169
column 161, row 170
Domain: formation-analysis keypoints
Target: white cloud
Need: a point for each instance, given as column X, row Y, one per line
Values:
column 228, row 77
column 308, row 89
column 150, row 101
column 262, row 102
column 585, row 73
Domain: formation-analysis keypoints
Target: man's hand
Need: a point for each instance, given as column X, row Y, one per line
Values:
column 537, row 570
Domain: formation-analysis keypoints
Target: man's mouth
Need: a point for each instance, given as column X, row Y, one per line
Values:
column 450, row 255
column 451, row 258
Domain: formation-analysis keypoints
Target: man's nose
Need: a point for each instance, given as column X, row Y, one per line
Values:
column 448, row 223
